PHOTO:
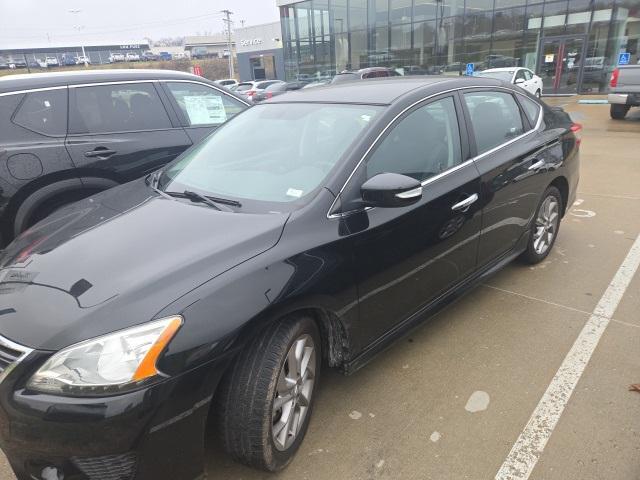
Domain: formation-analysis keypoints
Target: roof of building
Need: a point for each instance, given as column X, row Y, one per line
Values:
column 219, row 39
column 44, row 80
column 380, row 91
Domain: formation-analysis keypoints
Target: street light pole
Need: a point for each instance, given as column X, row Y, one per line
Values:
column 78, row 28
column 227, row 20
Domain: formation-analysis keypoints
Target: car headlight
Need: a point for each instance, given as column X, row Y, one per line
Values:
column 108, row 364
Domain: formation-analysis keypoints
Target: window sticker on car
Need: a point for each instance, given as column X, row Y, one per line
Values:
column 293, row 192
column 203, row 110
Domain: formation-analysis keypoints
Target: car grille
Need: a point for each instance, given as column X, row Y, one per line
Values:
column 109, row 467
column 10, row 355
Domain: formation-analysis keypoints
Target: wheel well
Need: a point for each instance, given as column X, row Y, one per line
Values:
column 335, row 340
column 561, row 184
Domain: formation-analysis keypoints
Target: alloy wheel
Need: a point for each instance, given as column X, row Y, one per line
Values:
column 293, row 392
column 546, row 225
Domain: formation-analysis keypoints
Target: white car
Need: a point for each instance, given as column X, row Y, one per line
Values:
column 227, row 82
column 249, row 89
column 523, row 77
column 81, row 60
column 116, row 57
column 52, row 62
column 132, row 57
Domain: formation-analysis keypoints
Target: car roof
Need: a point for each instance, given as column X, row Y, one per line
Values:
column 382, row 91
column 503, row 69
column 11, row 83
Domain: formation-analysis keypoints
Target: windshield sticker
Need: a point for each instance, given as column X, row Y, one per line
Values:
column 203, row 110
column 365, row 118
column 292, row 192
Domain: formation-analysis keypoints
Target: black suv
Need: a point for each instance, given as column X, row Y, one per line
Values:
column 66, row 136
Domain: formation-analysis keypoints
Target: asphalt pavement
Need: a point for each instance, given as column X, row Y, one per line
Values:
column 472, row 392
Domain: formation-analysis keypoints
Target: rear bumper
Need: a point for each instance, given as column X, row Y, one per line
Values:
column 632, row 99
column 153, row 433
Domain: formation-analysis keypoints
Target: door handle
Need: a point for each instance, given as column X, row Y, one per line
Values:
column 100, row 152
column 466, row 203
column 538, row 165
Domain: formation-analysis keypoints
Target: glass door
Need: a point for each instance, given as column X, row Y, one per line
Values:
column 560, row 64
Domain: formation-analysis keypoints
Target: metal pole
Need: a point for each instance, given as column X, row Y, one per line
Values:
column 84, row 57
column 228, row 22
column 27, row 62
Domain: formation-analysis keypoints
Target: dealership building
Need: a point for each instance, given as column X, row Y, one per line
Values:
column 573, row 45
column 97, row 54
column 260, row 53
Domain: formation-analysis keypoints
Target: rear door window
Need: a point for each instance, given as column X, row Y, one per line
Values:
column 202, row 105
column 531, row 109
column 44, row 112
column 126, row 107
column 495, row 118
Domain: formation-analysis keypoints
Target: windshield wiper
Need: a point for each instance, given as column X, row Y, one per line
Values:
column 195, row 197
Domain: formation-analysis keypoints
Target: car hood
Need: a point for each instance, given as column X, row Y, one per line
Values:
column 115, row 260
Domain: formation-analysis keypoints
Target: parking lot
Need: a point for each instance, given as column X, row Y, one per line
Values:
column 451, row 400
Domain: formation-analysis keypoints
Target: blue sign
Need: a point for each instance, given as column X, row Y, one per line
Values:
column 624, row 59
column 470, row 69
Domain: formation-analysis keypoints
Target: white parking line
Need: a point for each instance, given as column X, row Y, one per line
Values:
column 530, row 444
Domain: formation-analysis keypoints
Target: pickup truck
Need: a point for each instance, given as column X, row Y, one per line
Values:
column 624, row 91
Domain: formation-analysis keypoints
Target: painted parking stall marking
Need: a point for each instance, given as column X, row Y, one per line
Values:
column 525, row 453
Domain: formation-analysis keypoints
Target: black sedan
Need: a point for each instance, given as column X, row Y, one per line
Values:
column 220, row 286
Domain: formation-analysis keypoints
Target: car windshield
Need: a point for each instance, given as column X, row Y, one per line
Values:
column 276, row 87
column 291, row 150
column 244, row 86
column 503, row 75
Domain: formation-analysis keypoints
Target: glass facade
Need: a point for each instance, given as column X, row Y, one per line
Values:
column 572, row 44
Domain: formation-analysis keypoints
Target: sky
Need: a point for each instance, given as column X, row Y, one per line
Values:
column 40, row 23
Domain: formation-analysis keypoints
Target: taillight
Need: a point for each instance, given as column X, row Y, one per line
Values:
column 576, row 128
column 614, row 77
column 251, row 93
column 269, row 95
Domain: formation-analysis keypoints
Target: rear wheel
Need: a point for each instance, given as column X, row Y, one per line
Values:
column 618, row 112
column 264, row 403
column 545, row 228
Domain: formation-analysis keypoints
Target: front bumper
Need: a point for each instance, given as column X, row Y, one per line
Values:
column 153, row 433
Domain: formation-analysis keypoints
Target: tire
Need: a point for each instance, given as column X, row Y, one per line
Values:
column 545, row 227
column 618, row 112
column 538, row 93
column 248, row 419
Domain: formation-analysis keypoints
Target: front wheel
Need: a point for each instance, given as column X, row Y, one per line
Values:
column 545, row 228
column 538, row 93
column 265, row 401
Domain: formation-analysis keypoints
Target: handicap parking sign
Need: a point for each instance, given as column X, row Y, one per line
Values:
column 624, row 59
column 470, row 69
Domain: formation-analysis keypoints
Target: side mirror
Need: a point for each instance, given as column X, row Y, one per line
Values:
column 519, row 81
column 391, row 190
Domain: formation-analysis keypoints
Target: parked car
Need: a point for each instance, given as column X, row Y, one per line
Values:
column 52, row 61
column 132, row 57
column 4, row 64
column 363, row 74
column 216, row 290
column 58, row 145
column 149, row 56
column 522, row 77
column 165, row 56
column 82, row 59
column 624, row 90
column 249, row 89
column 227, row 82
column 275, row 90
column 116, row 57
column 42, row 63
column 17, row 63
column 68, row 60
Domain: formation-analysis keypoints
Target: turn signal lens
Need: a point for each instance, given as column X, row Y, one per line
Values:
column 576, row 128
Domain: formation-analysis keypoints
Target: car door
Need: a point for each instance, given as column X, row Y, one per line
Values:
column 122, row 128
column 201, row 108
column 520, row 80
column 513, row 159
column 407, row 257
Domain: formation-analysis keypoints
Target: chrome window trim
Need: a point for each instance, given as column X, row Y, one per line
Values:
column 30, row 90
column 19, row 348
column 446, row 172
